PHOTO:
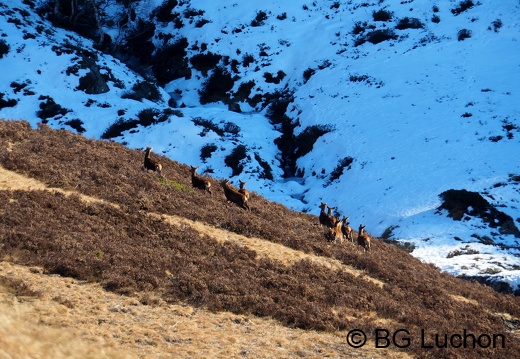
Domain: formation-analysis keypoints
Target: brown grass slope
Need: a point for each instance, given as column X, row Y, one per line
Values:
column 122, row 247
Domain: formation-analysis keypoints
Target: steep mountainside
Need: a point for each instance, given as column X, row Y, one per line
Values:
column 91, row 213
column 402, row 115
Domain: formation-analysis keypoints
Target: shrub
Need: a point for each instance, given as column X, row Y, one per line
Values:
column 463, row 6
column 4, row 48
column 307, row 74
column 146, row 117
column 248, row 60
column 7, row 103
column 163, row 13
column 49, row 108
column 436, row 19
column 269, row 78
column 305, row 140
column 497, row 24
column 268, row 171
column 169, row 62
column 206, row 151
column 234, row 159
column 382, row 15
column 205, row 62
column 283, row 16
column 76, row 124
column 359, row 28
column 244, row 91
column 216, row 87
column 376, row 36
column 409, row 23
column 139, row 41
column 463, row 34
column 144, row 89
column 92, row 83
column 344, row 163
column 261, row 16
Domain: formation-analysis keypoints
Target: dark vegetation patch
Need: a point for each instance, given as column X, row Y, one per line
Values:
column 164, row 13
column 267, row 170
column 270, row 78
column 205, row 62
column 8, row 102
column 4, row 48
column 462, row 6
column 17, row 87
column 409, row 23
column 80, row 17
column 235, row 158
column 49, row 108
column 304, row 142
column 382, row 15
column 93, row 82
column 307, row 74
column 259, row 19
column 463, row 34
column 146, row 117
column 244, row 92
column 463, row 204
column 76, row 124
column 463, row 251
column 343, row 164
column 229, row 128
column 68, row 236
column 496, row 25
column 366, row 79
column 290, row 145
column 217, row 87
column 144, row 90
column 207, row 151
column 169, row 62
column 376, row 37
column 138, row 42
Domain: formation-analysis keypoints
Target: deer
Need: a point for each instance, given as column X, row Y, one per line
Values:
column 363, row 238
column 346, row 229
column 150, row 164
column 335, row 232
column 326, row 219
column 232, row 195
column 243, row 189
column 198, row 181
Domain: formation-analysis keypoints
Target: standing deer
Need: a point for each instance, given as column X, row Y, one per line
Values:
column 232, row 195
column 363, row 238
column 199, row 182
column 150, row 164
column 335, row 232
column 243, row 189
column 346, row 229
column 326, row 219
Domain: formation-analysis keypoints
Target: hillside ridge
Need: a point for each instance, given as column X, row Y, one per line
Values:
column 269, row 263
column 14, row 181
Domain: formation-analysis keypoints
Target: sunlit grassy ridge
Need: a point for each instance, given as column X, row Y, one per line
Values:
column 126, row 246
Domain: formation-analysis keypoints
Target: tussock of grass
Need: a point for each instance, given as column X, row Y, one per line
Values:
column 175, row 185
column 65, row 235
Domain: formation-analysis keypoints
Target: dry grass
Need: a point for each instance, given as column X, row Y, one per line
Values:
column 90, row 213
column 57, row 317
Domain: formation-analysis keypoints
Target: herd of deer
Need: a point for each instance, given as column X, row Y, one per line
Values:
column 338, row 229
column 240, row 196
